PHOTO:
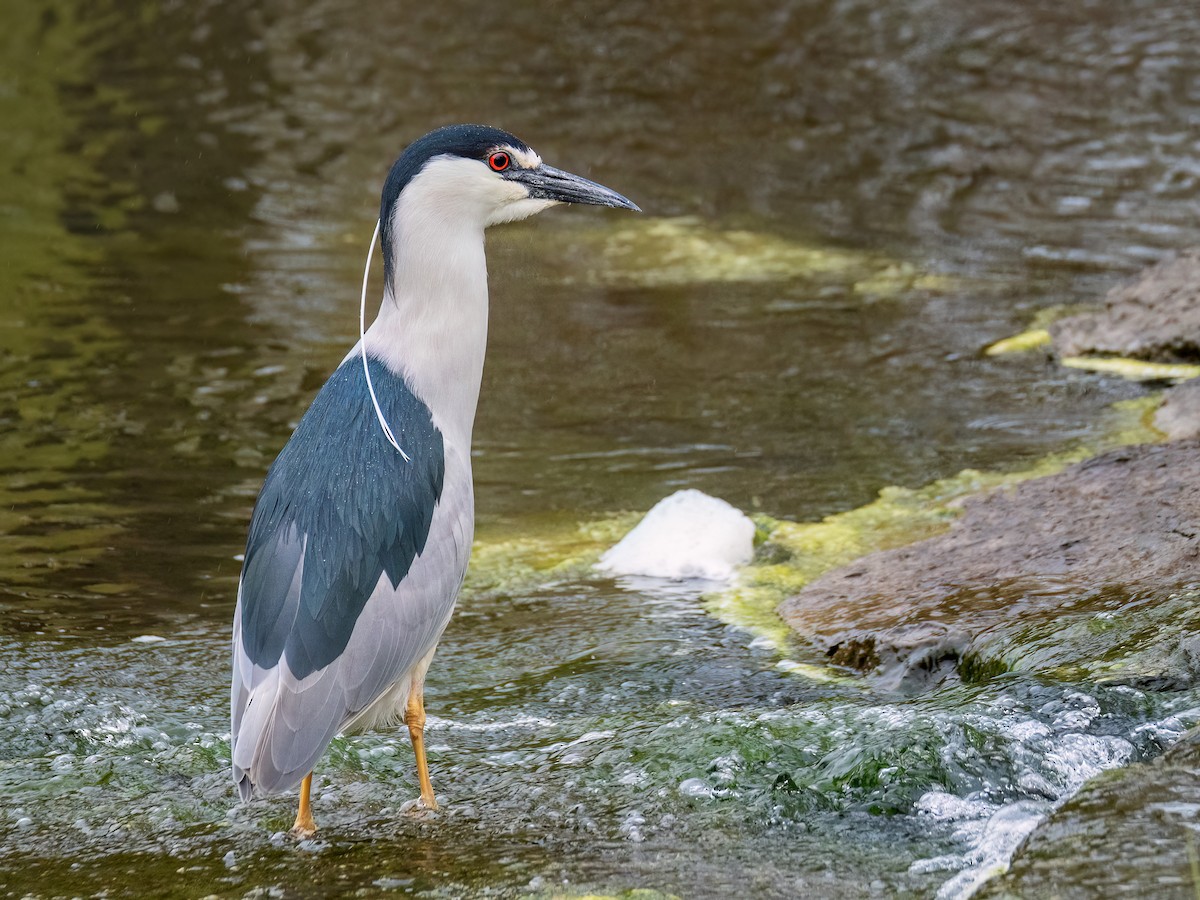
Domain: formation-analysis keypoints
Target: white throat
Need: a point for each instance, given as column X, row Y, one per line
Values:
column 433, row 332
column 432, row 324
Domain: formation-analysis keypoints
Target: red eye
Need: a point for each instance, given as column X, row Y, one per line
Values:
column 499, row 161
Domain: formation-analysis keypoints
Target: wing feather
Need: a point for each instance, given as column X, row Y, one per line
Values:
column 352, row 566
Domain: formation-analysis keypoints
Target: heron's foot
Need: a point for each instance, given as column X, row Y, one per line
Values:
column 303, row 830
column 419, row 807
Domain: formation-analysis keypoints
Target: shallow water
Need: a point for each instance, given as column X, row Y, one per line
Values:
column 851, row 199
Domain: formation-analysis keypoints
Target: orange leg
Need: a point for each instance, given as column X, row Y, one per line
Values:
column 305, row 827
column 414, row 717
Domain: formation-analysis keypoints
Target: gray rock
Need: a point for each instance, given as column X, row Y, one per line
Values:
column 906, row 658
column 1155, row 317
column 1179, row 415
column 1082, row 541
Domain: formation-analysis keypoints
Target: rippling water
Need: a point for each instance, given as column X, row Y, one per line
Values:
column 854, row 197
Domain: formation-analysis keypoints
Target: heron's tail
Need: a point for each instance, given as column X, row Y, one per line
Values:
column 280, row 727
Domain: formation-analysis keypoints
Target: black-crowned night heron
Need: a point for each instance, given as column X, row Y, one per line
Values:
column 361, row 533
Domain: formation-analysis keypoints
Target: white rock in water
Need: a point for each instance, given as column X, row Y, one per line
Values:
column 687, row 535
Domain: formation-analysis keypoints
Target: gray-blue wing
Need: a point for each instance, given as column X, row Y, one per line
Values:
column 352, row 565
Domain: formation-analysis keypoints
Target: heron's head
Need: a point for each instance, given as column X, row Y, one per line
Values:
column 476, row 176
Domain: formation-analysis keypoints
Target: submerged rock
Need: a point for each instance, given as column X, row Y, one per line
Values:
column 1154, row 317
column 1082, row 549
column 687, row 535
column 906, row 656
column 1128, row 833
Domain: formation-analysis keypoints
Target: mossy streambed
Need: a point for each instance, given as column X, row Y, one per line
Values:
column 606, row 770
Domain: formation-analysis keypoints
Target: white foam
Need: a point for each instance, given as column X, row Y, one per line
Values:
column 994, row 847
column 1052, row 766
column 687, row 535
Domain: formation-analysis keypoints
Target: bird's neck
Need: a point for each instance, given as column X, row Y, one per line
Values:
column 432, row 325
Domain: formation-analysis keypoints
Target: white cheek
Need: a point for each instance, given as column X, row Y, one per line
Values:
column 452, row 189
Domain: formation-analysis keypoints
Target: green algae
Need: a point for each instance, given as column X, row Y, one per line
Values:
column 660, row 252
column 1133, row 369
column 792, row 554
column 503, row 563
column 1037, row 335
column 789, row 555
column 1032, row 339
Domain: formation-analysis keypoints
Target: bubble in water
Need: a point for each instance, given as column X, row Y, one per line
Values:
column 697, row 788
column 631, row 827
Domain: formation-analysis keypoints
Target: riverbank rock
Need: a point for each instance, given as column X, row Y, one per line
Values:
column 1154, row 317
column 1079, row 552
column 1179, row 415
column 1128, row 833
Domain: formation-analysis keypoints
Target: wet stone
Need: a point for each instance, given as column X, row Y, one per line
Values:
column 1129, row 833
column 913, row 656
column 1179, row 415
column 1084, row 561
column 1155, row 317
